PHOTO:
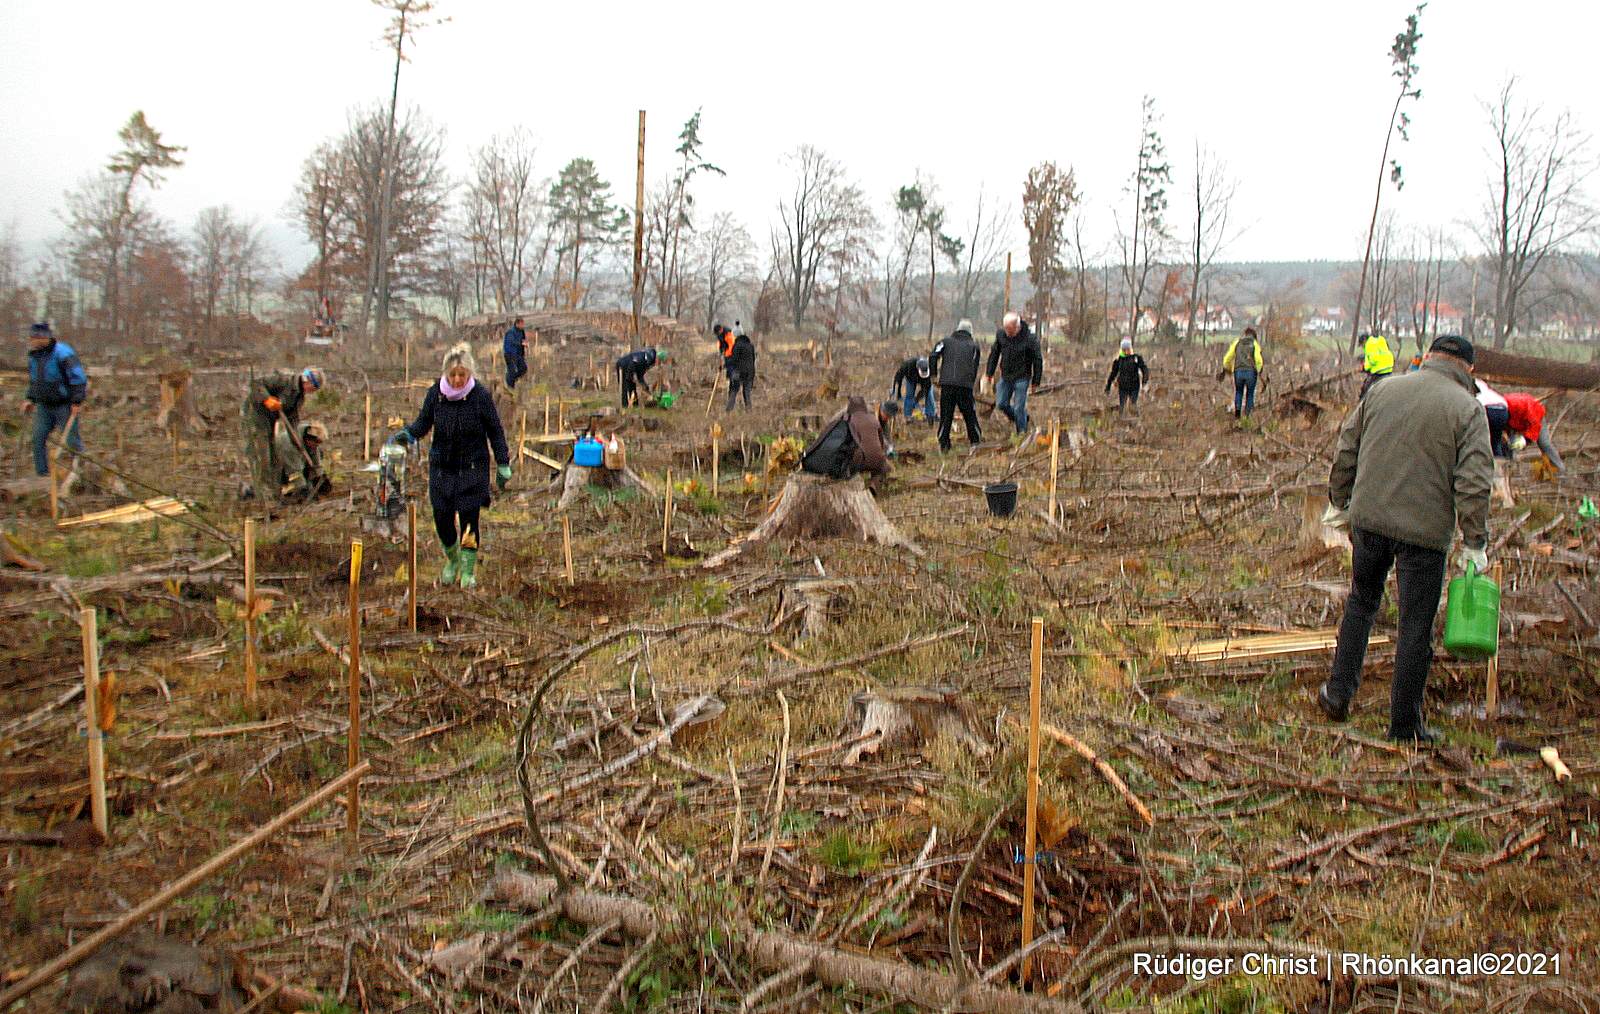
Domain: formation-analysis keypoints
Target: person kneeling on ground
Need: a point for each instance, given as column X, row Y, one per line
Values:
column 631, row 369
column 1413, row 464
column 308, row 481
column 466, row 427
column 855, row 440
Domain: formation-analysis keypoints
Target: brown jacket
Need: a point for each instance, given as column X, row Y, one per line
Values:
column 871, row 454
column 1413, row 459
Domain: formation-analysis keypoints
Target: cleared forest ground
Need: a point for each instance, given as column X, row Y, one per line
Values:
column 1271, row 829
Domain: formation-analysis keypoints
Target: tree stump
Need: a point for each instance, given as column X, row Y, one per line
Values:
column 899, row 716
column 177, row 403
column 145, row 972
column 813, row 507
column 575, row 479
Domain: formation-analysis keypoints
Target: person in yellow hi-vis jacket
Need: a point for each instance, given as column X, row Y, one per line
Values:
column 1244, row 359
column 1377, row 360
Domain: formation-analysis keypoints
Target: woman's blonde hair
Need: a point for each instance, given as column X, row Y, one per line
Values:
column 460, row 354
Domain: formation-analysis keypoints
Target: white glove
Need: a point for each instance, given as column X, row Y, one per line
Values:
column 1479, row 558
column 1336, row 518
column 1518, row 442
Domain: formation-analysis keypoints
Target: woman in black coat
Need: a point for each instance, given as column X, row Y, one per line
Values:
column 465, row 426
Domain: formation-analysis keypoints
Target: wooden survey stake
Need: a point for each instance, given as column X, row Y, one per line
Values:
column 522, row 437
column 411, row 566
column 1055, row 461
column 1030, row 837
column 55, row 493
column 91, row 710
column 666, row 517
column 366, row 431
column 566, row 547
column 1491, row 690
column 250, row 608
column 353, row 808
column 716, row 458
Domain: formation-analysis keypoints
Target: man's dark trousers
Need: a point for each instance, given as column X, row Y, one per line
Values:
column 1420, row 574
column 950, row 399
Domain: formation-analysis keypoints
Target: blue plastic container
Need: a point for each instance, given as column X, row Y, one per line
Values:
column 588, row 452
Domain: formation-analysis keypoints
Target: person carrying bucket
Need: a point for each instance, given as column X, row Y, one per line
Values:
column 1413, row 464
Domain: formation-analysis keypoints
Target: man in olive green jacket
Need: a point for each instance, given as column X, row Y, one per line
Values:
column 1413, row 464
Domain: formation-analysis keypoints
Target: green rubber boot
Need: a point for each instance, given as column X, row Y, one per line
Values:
column 469, row 568
column 452, row 564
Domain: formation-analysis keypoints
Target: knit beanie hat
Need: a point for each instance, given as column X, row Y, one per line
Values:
column 1127, row 344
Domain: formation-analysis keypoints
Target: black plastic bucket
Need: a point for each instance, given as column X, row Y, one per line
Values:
column 1002, row 497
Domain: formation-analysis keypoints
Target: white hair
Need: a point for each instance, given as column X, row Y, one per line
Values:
column 1012, row 317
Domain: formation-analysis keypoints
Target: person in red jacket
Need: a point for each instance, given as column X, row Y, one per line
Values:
column 1525, row 418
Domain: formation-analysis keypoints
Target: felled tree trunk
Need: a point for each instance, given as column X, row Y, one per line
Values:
column 1530, row 371
column 774, row 951
column 812, row 507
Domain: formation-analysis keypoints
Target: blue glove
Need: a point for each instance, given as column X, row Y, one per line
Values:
column 403, row 437
column 502, row 475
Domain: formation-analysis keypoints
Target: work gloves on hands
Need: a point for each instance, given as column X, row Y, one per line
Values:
column 403, row 438
column 1337, row 518
column 1518, row 442
column 502, row 475
column 1479, row 558
column 271, row 404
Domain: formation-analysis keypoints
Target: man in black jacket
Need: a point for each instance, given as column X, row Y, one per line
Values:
column 1016, row 352
column 955, row 362
column 915, row 379
column 741, row 369
column 1130, row 373
column 631, row 369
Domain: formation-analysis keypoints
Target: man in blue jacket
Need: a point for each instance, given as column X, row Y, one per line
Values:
column 57, row 386
column 516, row 351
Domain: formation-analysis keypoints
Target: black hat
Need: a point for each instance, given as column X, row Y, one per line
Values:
column 1454, row 345
column 40, row 330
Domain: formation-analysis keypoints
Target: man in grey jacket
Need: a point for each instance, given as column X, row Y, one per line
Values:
column 1413, row 464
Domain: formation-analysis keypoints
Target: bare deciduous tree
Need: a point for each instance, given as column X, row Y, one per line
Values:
column 505, row 213
column 726, row 255
column 1049, row 195
column 1536, row 205
column 1213, row 200
column 823, row 215
column 985, row 242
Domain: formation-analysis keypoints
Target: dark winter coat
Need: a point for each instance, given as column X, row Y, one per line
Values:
column 515, row 344
column 1129, row 372
column 634, row 364
column 872, row 444
column 56, row 377
column 1017, row 357
column 742, row 360
column 284, row 386
column 955, row 361
column 908, row 379
column 463, row 433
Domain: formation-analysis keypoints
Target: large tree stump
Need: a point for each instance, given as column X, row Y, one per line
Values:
column 901, row 716
column 574, row 480
column 813, row 507
column 178, row 409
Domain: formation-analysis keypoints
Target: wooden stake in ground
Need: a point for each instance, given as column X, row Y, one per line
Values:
column 1030, row 840
column 1055, row 460
column 366, row 431
column 55, row 493
column 411, row 565
column 566, row 547
column 87, row 621
column 547, row 415
column 522, row 437
column 408, row 359
column 561, row 415
column 1007, row 300
column 716, row 458
column 250, row 608
column 176, row 889
column 353, row 815
column 1491, row 692
column 666, row 517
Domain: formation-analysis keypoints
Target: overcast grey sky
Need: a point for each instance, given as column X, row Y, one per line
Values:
column 1294, row 96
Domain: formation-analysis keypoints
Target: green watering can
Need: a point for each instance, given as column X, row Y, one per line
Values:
column 665, row 399
column 1472, row 617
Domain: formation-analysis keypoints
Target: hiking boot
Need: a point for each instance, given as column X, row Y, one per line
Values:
column 452, row 564
column 1421, row 736
column 469, row 568
column 1337, row 711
